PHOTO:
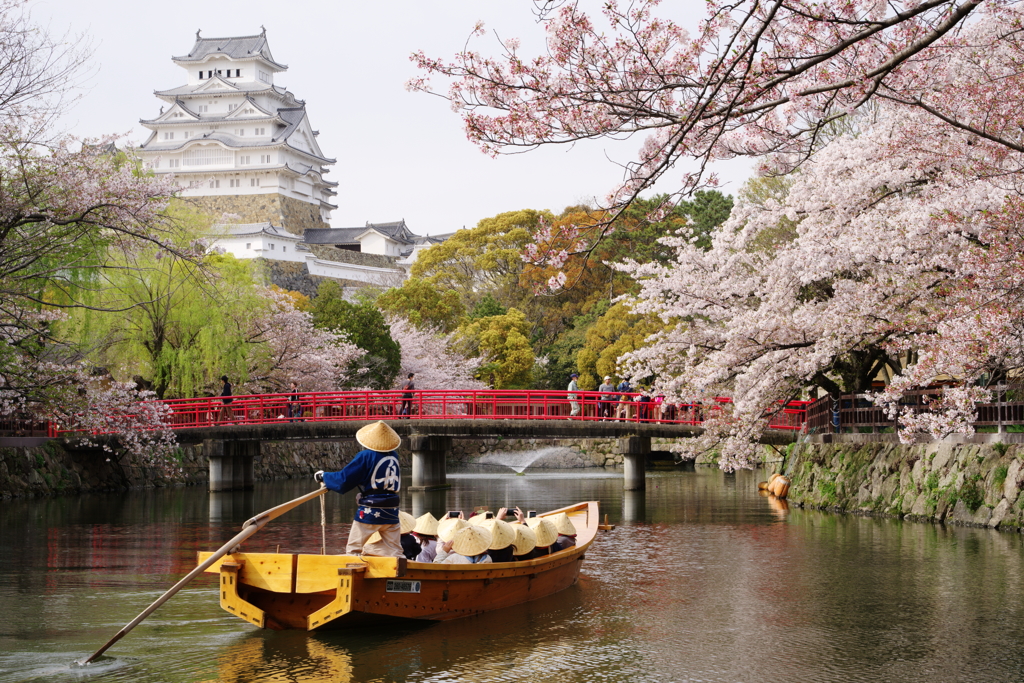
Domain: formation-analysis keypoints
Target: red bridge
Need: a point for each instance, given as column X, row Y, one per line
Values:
column 451, row 405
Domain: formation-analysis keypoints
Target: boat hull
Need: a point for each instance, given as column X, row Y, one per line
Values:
column 313, row 592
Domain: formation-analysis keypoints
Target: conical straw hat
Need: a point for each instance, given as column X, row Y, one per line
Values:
column 471, row 540
column 478, row 519
column 426, row 524
column 525, row 541
column 563, row 524
column 446, row 528
column 378, row 437
column 407, row 521
column 502, row 533
column 545, row 530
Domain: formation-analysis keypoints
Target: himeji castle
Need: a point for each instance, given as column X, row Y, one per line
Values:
column 239, row 141
column 242, row 148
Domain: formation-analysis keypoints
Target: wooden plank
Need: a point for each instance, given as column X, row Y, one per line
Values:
column 320, row 572
column 269, row 571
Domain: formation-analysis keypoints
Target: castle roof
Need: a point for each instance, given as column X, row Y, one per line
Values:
column 249, row 229
column 233, row 47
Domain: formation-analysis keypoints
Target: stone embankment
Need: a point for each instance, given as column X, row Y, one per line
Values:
column 968, row 484
column 51, row 469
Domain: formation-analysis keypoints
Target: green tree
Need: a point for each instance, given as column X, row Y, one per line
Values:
column 423, row 304
column 486, row 307
column 365, row 327
column 614, row 334
column 502, row 340
column 171, row 320
column 484, row 259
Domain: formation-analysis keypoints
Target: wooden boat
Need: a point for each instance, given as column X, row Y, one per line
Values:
column 309, row 592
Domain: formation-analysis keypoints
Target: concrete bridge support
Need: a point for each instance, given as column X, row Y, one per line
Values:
column 429, row 453
column 231, row 464
column 634, row 450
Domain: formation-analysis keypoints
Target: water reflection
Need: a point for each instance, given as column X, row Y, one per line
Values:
column 227, row 506
column 634, row 506
column 701, row 579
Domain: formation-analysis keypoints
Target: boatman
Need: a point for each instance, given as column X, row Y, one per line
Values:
column 376, row 472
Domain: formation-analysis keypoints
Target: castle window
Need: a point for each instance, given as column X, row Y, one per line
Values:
column 243, row 160
column 231, row 107
column 238, row 73
column 208, row 156
column 186, row 135
column 248, row 245
column 214, row 184
column 284, row 249
column 259, row 131
column 234, row 182
column 200, row 75
column 271, row 246
column 254, row 182
column 264, row 158
column 203, row 108
column 169, row 136
column 240, row 132
column 264, row 76
column 173, row 163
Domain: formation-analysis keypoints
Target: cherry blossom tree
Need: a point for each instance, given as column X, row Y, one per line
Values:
column 290, row 349
column 756, row 77
column 65, row 206
column 429, row 353
column 906, row 237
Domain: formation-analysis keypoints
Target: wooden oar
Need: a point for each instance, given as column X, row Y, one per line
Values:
column 248, row 529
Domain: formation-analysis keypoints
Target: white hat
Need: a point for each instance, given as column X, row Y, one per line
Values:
column 563, row 524
column 471, row 540
column 545, row 530
column 378, row 437
column 502, row 533
column 407, row 522
column 447, row 528
column 426, row 524
column 526, row 539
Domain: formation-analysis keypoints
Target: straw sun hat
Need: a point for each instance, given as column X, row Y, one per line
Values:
column 446, row 528
column 502, row 533
column 426, row 524
column 525, row 541
column 563, row 524
column 471, row 540
column 545, row 530
column 378, row 437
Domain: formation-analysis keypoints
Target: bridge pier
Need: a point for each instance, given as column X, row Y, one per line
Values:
column 231, row 464
column 634, row 450
column 429, row 453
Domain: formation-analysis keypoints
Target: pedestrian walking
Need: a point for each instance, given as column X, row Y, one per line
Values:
column 573, row 388
column 408, row 388
column 225, row 409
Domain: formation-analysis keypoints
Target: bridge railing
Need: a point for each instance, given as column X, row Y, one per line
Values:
column 188, row 413
column 857, row 413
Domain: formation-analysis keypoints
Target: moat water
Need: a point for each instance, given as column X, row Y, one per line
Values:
column 701, row 580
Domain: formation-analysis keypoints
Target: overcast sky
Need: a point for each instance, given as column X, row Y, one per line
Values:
column 399, row 154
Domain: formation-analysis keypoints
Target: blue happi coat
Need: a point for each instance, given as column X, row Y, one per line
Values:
column 379, row 479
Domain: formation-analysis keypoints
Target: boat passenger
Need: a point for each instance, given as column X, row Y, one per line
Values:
column 502, row 536
column 378, row 475
column 546, row 536
column 448, row 526
column 526, row 541
column 566, row 532
column 425, row 532
column 468, row 546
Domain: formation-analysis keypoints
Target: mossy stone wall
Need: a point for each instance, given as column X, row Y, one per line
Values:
column 968, row 484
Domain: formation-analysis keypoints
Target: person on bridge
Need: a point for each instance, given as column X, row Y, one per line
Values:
column 625, row 410
column 573, row 388
column 378, row 475
column 607, row 390
column 408, row 388
column 225, row 409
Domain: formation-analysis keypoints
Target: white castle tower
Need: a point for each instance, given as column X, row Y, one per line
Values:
column 238, row 144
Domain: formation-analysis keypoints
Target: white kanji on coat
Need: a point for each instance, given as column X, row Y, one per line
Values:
column 386, row 475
